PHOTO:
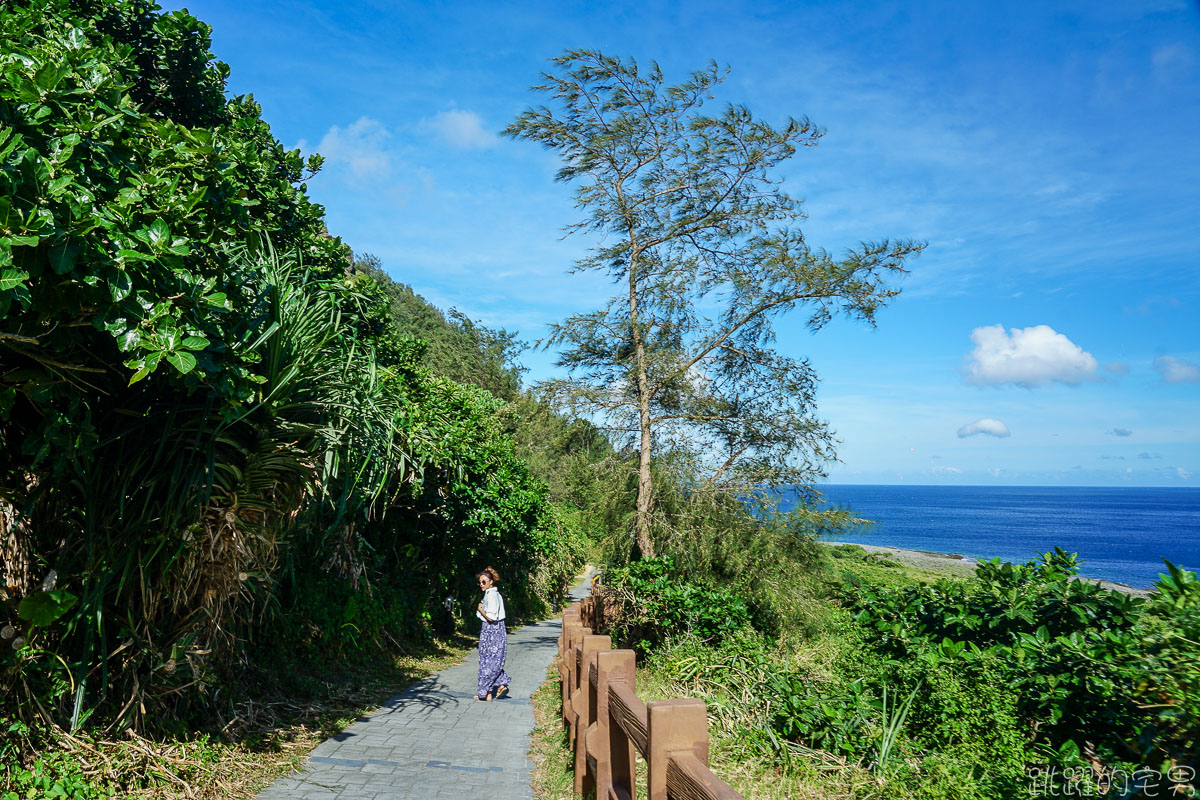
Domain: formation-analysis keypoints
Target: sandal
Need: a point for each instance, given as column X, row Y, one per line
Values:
column 501, row 692
column 484, row 699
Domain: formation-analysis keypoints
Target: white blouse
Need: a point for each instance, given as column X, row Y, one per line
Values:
column 493, row 605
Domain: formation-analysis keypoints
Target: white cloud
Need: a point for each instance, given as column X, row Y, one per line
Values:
column 987, row 425
column 360, row 147
column 463, row 130
column 1182, row 473
column 1149, row 456
column 946, row 471
column 1119, row 432
column 1117, row 368
column 1027, row 357
column 1176, row 370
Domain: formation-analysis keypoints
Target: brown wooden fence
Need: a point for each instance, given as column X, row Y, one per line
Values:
column 606, row 721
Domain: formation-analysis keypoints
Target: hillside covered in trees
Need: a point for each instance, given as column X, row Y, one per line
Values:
column 225, row 443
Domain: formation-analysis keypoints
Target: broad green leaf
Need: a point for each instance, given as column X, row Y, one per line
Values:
column 159, row 234
column 27, row 90
column 49, row 75
column 120, row 286
column 194, row 343
column 35, row 166
column 141, row 373
column 183, row 361
column 58, row 184
column 64, row 256
column 12, row 278
column 22, row 241
column 128, row 339
column 43, row 608
column 133, row 255
column 76, row 39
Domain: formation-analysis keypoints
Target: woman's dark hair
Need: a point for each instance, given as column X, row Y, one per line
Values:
column 491, row 573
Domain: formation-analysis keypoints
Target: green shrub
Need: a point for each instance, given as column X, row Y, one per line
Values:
column 1027, row 663
column 836, row 718
column 648, row 601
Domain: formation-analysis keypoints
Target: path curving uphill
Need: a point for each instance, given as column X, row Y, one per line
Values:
column 434, row 740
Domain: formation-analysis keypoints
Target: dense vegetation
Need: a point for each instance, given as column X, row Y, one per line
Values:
column 225, row 444
column 234, row 456
column 1020, row 680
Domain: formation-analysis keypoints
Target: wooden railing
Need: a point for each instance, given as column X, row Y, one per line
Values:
column 606, row 721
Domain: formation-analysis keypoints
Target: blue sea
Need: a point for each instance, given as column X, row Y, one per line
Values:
column 1121, row 534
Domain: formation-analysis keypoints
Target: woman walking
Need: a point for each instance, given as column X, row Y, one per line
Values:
column 493, row 644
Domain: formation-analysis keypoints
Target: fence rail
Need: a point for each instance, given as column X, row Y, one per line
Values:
column 607, row 722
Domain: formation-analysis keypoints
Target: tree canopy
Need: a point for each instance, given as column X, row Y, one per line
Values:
column 707, row 252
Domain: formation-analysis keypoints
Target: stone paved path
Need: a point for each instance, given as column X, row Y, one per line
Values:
column 434, row 740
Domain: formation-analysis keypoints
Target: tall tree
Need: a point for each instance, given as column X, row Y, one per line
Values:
column 704, row 245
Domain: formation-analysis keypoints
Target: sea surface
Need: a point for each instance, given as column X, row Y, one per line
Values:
column 1122, row 534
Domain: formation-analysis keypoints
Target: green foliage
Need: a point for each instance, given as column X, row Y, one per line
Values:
column 1046, row 658
column 54, row 776
column 833, row 718
column 212, row 443
column 124, row 173
column 456, row 347
column 650, row 602
column 1022, row 665
column 42, row 608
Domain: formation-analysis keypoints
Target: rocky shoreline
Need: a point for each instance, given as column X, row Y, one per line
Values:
column 956, row 564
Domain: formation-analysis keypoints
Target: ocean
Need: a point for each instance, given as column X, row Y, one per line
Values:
column 1121, row 534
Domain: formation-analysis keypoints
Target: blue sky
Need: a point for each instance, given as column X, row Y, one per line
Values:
column 1047, row 152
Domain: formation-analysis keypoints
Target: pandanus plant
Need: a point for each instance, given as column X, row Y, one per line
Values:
column 171, row 532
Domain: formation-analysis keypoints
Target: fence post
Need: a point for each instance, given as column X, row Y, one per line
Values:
column 674, row 725
column 569, row 616
column 613, row 752
column 574, row 642
column 586, row 612
column 570, row 622
column 583, row 707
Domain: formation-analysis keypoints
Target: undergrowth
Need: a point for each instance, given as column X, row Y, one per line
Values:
column 1018, row 681
column 264, row 738
column 553, row 772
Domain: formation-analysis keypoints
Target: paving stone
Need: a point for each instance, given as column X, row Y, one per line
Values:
column 434, row 740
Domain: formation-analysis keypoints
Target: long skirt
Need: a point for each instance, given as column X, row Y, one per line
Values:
column 493, row 647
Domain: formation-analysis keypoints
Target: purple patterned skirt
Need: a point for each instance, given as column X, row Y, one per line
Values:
column 493, row 646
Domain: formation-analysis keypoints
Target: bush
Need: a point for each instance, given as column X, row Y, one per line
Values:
column 1027, row 663
column 648, row 601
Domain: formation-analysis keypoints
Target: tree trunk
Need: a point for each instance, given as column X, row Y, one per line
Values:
column 16, row 551
column 645, row 496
